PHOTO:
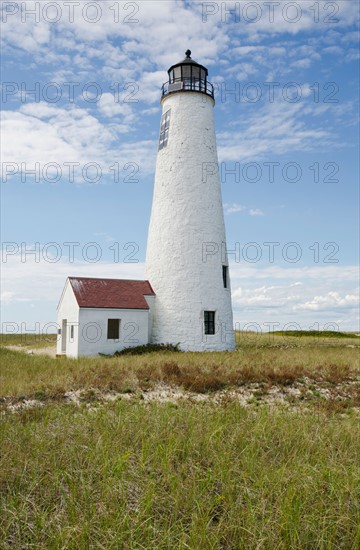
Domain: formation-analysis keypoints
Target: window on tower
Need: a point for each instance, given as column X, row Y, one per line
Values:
column 225, row 275
column 209, row 322
column 164, row 130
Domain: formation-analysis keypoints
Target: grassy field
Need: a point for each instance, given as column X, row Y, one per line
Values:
column 194, row 472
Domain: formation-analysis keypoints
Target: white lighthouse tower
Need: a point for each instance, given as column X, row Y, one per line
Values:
column 186, row 259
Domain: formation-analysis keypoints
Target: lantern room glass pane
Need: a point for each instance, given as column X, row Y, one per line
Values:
column 186, row 69
column 177, row 72
column 196, row 72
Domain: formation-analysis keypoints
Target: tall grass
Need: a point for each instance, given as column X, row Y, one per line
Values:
column 27, row 340
column 137, row 475
column 23, row 375
column 131, row 475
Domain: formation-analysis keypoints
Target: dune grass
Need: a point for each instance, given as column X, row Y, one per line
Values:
column 28, row 340
column 264, row 359
column 159, row 476
column 315, row 333
column 132, row 474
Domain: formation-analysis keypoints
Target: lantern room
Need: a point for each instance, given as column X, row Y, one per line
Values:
column 188, row 76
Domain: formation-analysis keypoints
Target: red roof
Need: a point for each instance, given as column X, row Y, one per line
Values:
column 111, row 293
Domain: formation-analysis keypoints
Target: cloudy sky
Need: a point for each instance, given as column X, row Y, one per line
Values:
column 80, row 96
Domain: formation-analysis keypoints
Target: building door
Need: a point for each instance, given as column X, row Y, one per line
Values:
column 63, row 335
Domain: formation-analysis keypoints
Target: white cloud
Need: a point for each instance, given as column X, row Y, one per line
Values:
column 322, row 297
column 110, row 106
column 302, row 63
column 274, row 128
column 27, row 34
column 150, row 85
column 296, row 17
column 336, row 50
column 313, row 294
column 278, row 57
column 233, row 208
column 331, row 300
column 42, row 133
column 307, row 275
column 256, row 212
column 7, row 297
column 145, row 30
column 352, row 55
column 42, row 281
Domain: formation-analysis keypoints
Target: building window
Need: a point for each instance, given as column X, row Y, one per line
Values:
column 225, row 273
column 113, row 329
column 72, row 332
column 209, row 322
column 164, row 130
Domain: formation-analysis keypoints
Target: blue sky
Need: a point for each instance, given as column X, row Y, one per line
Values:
column 80, row 98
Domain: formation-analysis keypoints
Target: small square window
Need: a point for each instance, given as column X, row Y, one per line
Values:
column 209, row 322
column 113, row 329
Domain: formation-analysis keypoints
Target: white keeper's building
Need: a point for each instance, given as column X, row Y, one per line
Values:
column 186, row 298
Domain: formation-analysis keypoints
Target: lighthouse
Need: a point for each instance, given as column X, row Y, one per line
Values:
column 186, row 259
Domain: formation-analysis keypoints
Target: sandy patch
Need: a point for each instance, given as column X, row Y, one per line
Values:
column 50, row 351
column 248, row 395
